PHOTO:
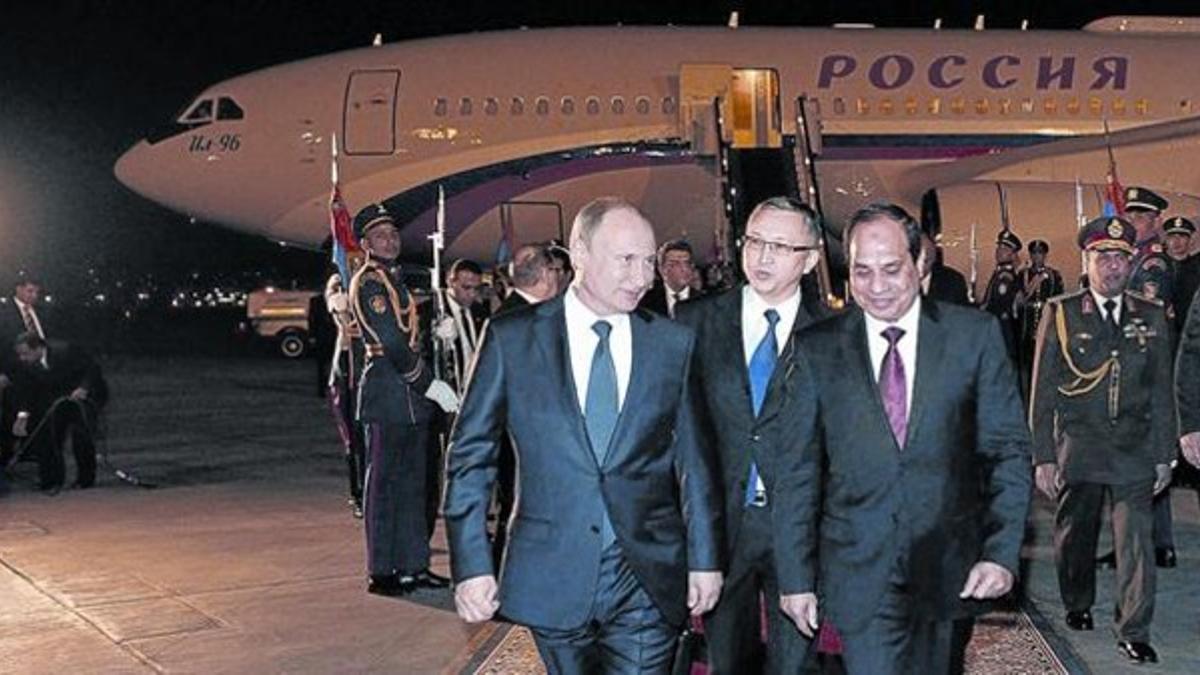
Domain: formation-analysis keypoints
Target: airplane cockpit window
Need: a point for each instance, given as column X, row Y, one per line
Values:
column 228, row 109
column 198, row 114
column 202, row 111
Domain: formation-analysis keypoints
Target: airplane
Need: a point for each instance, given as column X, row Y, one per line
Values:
column 977, row 130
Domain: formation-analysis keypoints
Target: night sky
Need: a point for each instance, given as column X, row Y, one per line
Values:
column 82, row 81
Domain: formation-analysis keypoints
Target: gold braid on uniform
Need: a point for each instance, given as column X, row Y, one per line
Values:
column 1087, row 381
column 406, row 315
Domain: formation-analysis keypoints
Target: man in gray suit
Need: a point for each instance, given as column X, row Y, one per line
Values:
column 902, row 502
column 616, row 534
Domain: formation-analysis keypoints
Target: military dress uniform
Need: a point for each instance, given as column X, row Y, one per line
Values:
column 1102, row 411
column 1151, row 272
column 1185, row 274
column 1000, row 296
column 344, row 371
column 396, row 419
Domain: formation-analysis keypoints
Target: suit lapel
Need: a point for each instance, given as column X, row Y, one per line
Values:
column 856, row 343
column 641, row 338
column 773, row 402
column 929, row 344
column 551, row 331
column 727, row 330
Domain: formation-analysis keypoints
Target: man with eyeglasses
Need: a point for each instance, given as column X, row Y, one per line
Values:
column 742, row 398
column 676, row 270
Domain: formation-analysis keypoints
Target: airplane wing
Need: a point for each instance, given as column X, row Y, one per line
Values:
column 1158, row 155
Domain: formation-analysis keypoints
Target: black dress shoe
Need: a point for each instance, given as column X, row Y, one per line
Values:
column 389, row 585
column 1108, row 561
column 1138, row 652
column 1081, row 620
column 427, row 579
column 1165, row 557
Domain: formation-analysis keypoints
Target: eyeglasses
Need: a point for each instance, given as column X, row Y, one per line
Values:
column 753, row 244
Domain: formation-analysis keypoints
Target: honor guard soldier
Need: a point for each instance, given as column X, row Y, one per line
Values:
column 1103, row 422
column 344, row 370
column 1151, row 273
column 1000, row 297
column 1185, row 266
column 395, row 406
column 1038, row 283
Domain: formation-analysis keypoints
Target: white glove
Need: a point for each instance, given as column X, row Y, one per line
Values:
column 441, row 393
column 446, row 330
column 337, row 302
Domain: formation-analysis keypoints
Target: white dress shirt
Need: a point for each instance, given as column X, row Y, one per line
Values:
column 28, row 310
column 465, row 323
column 754, row 320
column 907, row 346
column 582, row 341
column 672, row 296
column 1100, row 300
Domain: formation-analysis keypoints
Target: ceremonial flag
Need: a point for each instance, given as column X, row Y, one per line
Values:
column 341, row 234
column 504, row 248
column 1114, row 194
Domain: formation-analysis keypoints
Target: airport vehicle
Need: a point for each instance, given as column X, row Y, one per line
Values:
column 282, row 316
column 975, row 129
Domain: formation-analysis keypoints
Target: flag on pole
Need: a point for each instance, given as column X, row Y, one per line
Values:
column 340, row 232
column 1114, row 194
column 504, row 248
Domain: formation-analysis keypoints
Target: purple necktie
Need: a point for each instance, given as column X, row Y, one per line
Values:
column 892, row 386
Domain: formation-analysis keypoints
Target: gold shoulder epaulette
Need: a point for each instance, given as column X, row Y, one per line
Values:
column 1145, row 298
column 1061, row 298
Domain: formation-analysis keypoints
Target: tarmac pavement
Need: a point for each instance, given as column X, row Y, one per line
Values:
column 246, row 559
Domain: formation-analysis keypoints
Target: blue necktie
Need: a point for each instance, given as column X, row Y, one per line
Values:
column 762, row 365
column 600, row 409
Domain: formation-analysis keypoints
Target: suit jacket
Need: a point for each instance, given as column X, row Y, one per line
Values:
column 851, row 504
column 724, row 386
column 946, row 284
column 655, row 299
column 12, row 325
column 67, row 368
column 655, row 481
column 513, row 300
column 1078, row 427
column 1187, row 371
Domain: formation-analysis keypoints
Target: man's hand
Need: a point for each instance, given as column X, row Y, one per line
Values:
column 80, row 394
column 21, row 425
column 1162, row 477
column 475, row 598
column 441, row 393
column 703, row 590
column 986, row 581
column 1190, row 444
column 801, row 608
column 1048, row 479
column 446, row 330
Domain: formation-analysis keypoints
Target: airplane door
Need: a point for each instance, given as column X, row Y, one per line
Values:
column 370, row 112
column 756, row 118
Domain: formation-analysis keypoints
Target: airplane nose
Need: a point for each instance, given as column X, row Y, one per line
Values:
column 133, row 169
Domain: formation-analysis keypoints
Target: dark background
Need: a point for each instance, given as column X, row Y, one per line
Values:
column 84, row 80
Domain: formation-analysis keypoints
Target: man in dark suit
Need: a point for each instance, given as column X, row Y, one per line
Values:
column 742, row 399
column 1103, row 424
column 1187, row 385
column 939, row 282
column 677, row 271
column 902, row 502
column 467, row 316
column 534, row 277
column 616, row 534
column 18, row 315
column 58, row 392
